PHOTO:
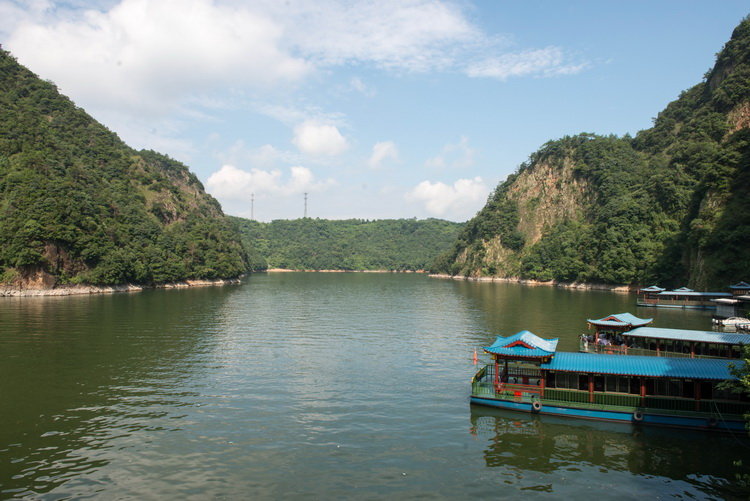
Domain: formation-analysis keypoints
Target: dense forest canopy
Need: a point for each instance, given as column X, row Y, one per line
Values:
column 670, row 205
column 77, row 205
column 351, row 244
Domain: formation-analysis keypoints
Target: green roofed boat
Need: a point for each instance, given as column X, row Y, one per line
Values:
column 528, row 374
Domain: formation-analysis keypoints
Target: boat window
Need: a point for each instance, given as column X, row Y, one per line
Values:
column 635, row 385
column 550, row 383
column 688, row 389
column 598, row 383
column 611, row 383
column 583, row 382
column 707, row 391
column 674, row 388
column 650, row 387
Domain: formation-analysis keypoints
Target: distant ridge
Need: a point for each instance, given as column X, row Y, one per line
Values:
column 347, row 245
column 669, row 206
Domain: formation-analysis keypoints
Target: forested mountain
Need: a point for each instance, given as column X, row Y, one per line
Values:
column 77, row 205
column 352, row 244
column 670, row 205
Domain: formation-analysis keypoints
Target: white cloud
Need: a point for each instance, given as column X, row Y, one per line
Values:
column 458, row 155
column 232, row 183
column 151, row 54
column 382, row 151
column 458, row 201
column 318, row 139
column 547, row 62
column 413, row 35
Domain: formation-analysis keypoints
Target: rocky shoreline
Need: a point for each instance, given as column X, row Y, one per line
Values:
column 76, row 290
column 624, row 289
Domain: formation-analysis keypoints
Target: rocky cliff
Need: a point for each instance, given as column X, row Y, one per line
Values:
column 670, row 205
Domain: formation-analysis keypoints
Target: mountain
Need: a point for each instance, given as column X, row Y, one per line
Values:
column 670, row 205
column 351, row 244
column 77, row 205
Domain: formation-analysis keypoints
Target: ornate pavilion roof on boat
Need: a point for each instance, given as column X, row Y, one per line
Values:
column 652, row 288
column 620, row 320
column 634, row 365
column 522, row 345
column 689, row 335
column 741, row 286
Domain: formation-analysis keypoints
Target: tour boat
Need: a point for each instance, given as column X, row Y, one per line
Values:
column 731, row 321
column 626, row 334
column 679, row 298
column 528, row 374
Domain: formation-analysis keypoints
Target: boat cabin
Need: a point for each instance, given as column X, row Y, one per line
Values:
column 608, row 331
column 740, row 289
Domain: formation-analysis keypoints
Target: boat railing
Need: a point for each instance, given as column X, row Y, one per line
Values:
column 631, row 350
column 667, row 404
column 518, row 389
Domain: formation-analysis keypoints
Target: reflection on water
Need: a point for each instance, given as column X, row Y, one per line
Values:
column 310, row 385
column 631, row 457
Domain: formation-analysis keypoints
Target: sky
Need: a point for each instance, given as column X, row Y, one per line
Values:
column 373, row 108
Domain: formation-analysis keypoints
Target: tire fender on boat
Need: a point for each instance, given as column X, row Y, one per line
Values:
column 536, row 406
column 712, row 422
column 637, row 416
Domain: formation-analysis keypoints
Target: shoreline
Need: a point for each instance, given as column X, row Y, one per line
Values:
column 80, row 290
column 287, row 270
column 620, row 289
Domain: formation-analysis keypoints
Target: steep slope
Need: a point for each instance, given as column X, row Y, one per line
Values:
column 670, row 205
column 352, row 244
column 77, row 205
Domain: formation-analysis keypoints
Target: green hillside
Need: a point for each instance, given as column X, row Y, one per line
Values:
column 353, row 244
column 670, row 205
column 77, row 205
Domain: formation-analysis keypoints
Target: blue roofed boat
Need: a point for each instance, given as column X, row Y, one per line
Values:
column 679, row 298
column 635, row 338
column 528, row 374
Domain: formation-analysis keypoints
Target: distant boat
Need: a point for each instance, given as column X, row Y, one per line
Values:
column 732, row 321
column 679, row 298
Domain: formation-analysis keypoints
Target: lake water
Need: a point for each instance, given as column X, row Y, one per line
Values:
column 318, row 386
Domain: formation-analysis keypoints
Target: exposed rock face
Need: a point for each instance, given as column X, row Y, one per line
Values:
column 546, row 194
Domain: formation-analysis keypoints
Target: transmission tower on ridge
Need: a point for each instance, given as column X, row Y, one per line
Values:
column 252, row 206
column 305, row 204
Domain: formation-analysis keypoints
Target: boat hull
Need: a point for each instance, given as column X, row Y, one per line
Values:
column 645, row 417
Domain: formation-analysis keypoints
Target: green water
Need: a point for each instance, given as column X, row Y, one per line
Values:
column 317, row 386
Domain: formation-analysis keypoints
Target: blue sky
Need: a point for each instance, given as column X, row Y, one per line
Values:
column 376, row 109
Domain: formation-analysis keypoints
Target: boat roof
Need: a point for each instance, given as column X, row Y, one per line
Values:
column 689, row 335
column 621, row 320
column 726, row 300
column 689, row 293
column 652, row 288
column 633, row 365
column 740, row 285
column 523, row 344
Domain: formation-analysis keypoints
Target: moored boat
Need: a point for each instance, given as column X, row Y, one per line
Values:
column 661, row 342
column 528, row 374
column 679, row 298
